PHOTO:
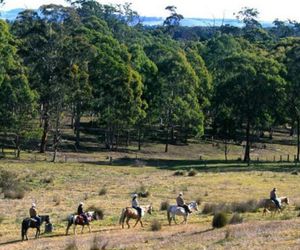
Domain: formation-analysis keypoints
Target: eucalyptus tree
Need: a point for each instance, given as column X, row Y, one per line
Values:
column 17, row 100
column 251, row 92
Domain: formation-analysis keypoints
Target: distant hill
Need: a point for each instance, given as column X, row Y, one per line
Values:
column 151, row 21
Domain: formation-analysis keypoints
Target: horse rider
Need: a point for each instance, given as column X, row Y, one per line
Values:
column 81, row 212
column 135, row 205
column 181, row 203
column 33, row 214
column 274, row 198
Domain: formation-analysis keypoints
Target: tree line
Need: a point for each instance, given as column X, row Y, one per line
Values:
column 99, row 60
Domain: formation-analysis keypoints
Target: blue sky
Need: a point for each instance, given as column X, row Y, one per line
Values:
column 269, row 9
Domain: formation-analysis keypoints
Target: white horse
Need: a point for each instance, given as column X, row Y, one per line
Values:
column 174, row 210
column 79, row 220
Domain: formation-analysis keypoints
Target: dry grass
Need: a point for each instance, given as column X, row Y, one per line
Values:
column 73, row 182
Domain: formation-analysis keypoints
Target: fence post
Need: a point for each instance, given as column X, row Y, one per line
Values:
column 274, row 158
column 288, row 158
column 280, row 158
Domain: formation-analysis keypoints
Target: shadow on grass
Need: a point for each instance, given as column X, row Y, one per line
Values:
column 204, row 166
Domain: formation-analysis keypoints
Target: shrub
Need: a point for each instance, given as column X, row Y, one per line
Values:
column 219, row 220
column 192, row 172
column 295, row 172
column 142, row 192
column 212, row 208
column 243, row 207
column 198, row 201
column 179, row 173
column 14, row 193
column 56, row 200
column 47, row 180
column 103, row 191
column 164, row 205
column 236, row 219
column 155, row 225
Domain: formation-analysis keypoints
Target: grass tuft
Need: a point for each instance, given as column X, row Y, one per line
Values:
column 219, row 220
column 164, row 205
column 236, row 219
column 155, row 225
column 103, row 191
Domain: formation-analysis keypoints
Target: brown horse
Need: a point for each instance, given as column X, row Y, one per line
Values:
column 131, row 213
column 270, row 206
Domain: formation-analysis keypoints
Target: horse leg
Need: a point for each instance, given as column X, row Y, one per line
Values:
column 174, row 218
column 141, row 223
column 75, row 229
column 89, row 228
column 82, row 228
column 127, row 220
column 136, row 222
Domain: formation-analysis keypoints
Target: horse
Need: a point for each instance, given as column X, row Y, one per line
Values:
column 79, row 220
column 270, row 206
column 32, row 223
column 174, row 210
column 131, row 213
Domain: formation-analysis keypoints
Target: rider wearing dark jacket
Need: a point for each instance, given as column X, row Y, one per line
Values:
column 81, row 212
column 181, row 203
column 273, row 197
column 33, row 214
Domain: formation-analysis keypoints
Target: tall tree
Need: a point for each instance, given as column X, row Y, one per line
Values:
column 251, row 91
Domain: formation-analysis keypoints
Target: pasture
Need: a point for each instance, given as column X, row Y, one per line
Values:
column 57, row 188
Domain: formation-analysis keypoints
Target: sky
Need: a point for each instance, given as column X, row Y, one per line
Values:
column 269, row 9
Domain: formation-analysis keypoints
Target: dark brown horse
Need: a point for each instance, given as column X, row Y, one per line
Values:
column 131, row 213
column 270, row 206
column 31, row 223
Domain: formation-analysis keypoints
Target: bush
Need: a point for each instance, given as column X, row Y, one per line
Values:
column 17, row 193
column 243, row 207
column 219, row 220
column 212, row 208
column 192, row 172
column 142, row 192
column 295, row 172
column 164, row 205
column 236, row 219
column 199, row 201
column 56, row 200
column 47, row 180
column 179, row 173
column 155, row 225
column 103, row 191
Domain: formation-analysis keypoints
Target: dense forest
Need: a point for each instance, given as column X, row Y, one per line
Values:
column 97, row 69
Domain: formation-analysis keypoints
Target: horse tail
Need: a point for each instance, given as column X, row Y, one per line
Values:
column 122, row 217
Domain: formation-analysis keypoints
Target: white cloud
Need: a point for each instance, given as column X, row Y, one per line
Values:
column 269, row 9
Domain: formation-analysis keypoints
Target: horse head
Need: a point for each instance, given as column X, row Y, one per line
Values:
column 193, row 205
column 45, row 218
column 149, row 209
column 285, row 200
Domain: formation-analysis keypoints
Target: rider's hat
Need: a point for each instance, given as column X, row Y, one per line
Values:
column 33, row 204
column 134, row 195
column 81, row 203
column 180, row 193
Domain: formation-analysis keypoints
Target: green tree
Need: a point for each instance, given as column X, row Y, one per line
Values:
column 251, row 91
column 17, row 100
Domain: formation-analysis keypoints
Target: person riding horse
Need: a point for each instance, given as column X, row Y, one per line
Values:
column 81, row 212
column 34, row 215
column 274, row 198
column 135, row 205
column 181, row 203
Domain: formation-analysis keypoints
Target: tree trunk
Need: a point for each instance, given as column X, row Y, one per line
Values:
column 226, row 149
column 247, row 150
column 77, row 130
column 45, row 134
column 56, row 138
column 128, row 138
column 298, row 138
column 139, row 139
column 167, row 141
column 18, row 148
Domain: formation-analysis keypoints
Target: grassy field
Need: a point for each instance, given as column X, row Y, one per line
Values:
column 57, row 188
